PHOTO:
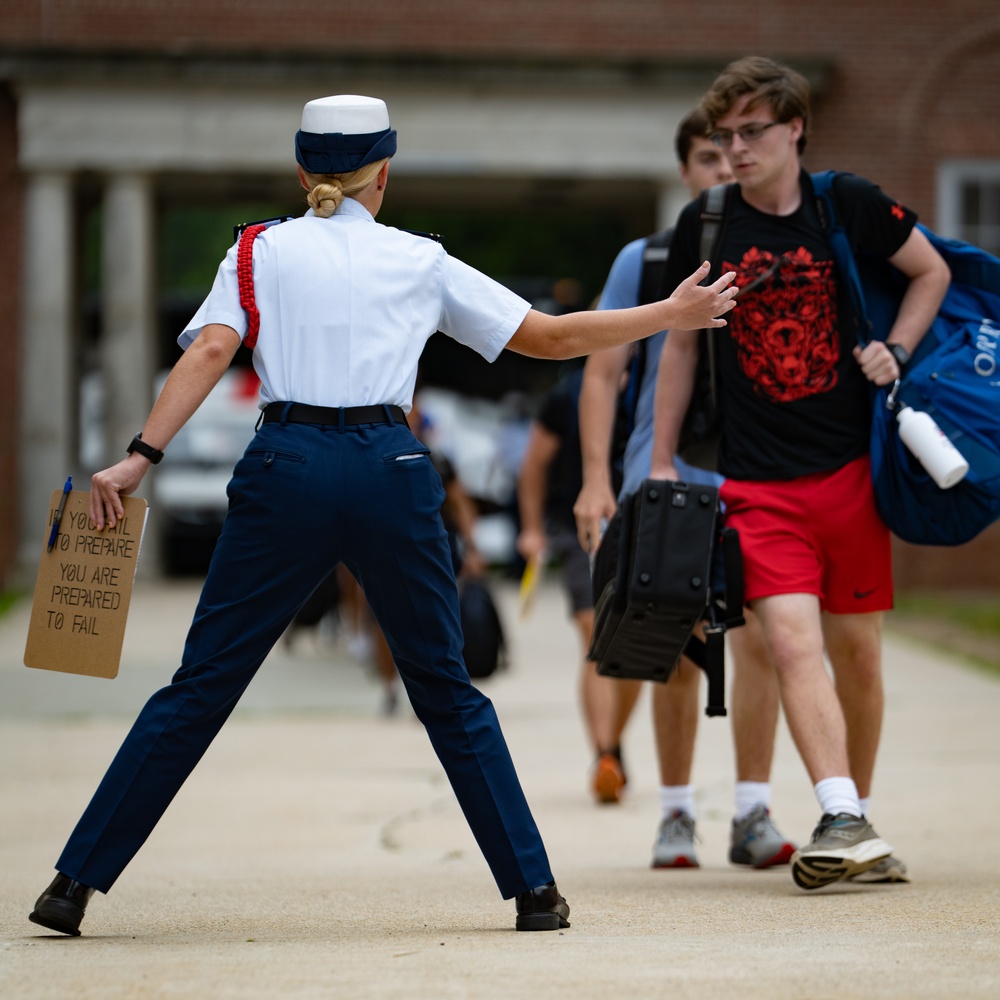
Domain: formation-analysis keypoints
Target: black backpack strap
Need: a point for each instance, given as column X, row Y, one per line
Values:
column 654, row 259
column 824, row 186
column 715, row 202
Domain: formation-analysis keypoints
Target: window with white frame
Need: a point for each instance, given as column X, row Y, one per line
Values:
column 969, row 202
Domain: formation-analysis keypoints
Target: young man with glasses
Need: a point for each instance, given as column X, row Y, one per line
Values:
column 754, row 841
column 796, row 412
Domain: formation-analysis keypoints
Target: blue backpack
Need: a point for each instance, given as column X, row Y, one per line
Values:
column 953, row 375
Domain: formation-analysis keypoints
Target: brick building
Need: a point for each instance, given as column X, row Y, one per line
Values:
column 129, row 111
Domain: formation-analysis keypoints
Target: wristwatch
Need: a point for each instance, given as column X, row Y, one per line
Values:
column 900, row 353
column 146, row 450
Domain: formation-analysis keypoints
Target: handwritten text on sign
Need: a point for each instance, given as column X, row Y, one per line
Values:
column 83, row 589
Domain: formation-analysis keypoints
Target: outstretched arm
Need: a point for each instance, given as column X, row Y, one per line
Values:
column 191, row 380
column 691, row 307
column 674, row 386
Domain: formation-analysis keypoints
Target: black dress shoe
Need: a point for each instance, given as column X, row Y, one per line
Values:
column 542, row 909
column 62, row 905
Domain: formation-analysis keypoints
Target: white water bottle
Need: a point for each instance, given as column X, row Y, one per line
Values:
column 931, row 447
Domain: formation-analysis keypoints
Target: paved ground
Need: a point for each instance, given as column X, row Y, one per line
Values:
column 317, row 851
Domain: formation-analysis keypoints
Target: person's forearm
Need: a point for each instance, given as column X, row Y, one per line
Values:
column 463, row 511
column 598, row 407
column 691, row 307
column 531, row 493
column 917, row 309
column 532, row 478
column 929, row 277
column 674, row 387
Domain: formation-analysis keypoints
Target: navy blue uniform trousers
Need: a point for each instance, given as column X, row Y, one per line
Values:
column 303, row 498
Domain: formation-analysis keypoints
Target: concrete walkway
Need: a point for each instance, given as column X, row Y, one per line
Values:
column 318, row 852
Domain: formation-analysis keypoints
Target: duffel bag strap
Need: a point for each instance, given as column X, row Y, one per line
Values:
column 732, row 562
column 709, row 656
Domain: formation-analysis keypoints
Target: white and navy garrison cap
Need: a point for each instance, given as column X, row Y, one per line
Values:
column 342, row 133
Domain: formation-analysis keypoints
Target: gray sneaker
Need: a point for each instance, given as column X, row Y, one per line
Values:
column 674, row 847
column 756, row 841
column 889, row 869
column 841, row 847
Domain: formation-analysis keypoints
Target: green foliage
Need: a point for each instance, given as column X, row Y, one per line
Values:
column 8, row 598
column 193, row 239
column 979, row 613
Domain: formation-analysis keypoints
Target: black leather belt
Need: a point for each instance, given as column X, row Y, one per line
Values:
column 337, row 416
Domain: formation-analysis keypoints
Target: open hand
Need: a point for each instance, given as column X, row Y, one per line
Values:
column 697, row 306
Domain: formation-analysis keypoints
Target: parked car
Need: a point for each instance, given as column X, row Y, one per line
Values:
column 189, row 491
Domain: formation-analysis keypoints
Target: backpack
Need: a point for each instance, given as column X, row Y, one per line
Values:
column 485, row 645
column 654, row 259
column 953, row 376
column 701, row 429
column 654, row 578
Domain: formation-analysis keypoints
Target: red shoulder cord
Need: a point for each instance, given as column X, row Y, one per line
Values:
column 244, row 277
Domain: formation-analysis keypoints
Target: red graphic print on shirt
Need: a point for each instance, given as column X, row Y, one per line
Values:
column 785, row 327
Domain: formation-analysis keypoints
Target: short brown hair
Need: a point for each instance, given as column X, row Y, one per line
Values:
column 786, row 91
column 694, row 125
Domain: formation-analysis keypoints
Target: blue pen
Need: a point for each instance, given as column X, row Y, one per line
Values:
column 54, row 534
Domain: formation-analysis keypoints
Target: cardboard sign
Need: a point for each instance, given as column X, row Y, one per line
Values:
column 83, row 589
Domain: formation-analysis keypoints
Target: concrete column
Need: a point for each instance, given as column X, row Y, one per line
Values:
column 128, row 331
column 47, row 452
column 128, row 335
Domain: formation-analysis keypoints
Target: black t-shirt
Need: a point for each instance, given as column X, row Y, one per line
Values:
column 793, row 399
column 560, row 415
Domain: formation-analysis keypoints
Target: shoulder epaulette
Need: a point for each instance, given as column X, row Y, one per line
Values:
column 436, row 237
column 264, row 223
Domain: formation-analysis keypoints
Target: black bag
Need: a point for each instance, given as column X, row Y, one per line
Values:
column 485, row 647
column 652, row 580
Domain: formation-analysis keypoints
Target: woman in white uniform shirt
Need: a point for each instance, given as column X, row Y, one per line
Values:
column 334, row 475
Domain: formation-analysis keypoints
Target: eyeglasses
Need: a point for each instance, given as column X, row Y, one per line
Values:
column 723, row 137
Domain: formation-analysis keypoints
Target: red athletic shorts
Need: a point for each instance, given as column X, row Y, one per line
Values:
column 818, row 534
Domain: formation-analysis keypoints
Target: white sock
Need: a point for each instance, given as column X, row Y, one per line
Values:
column 865, row 805
column 750, row 794
column 677, row 798
column 838, row 795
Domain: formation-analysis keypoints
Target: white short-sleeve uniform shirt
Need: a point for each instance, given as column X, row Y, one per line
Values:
column 346, row 306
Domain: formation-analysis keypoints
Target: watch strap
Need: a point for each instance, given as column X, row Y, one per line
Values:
column 146, row 450
column 900, row 353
